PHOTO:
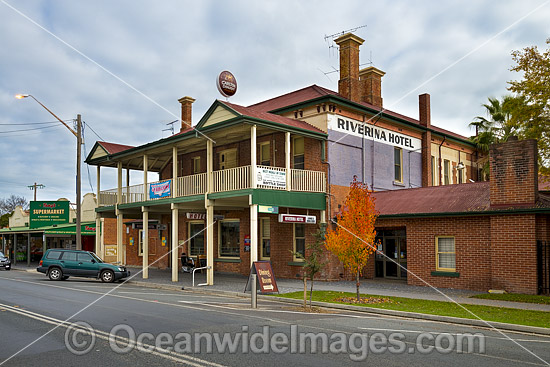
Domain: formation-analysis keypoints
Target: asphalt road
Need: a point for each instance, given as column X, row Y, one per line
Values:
column 40, row 323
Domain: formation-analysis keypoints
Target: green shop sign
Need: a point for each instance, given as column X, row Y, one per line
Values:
column 48, row 213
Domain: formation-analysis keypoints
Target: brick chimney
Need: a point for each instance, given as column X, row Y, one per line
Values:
column 371, row 85
column 424, row 116
column 349, row 85
column 186, row 112
column 514, row 173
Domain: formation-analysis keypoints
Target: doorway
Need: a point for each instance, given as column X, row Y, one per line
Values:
column 393, row 244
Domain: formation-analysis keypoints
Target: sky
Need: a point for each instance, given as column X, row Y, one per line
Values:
column 123, row 65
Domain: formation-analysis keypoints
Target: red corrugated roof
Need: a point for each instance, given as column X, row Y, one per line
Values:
column 113, row 148
column 471, row 197
column 315, row 91
column 262, row 115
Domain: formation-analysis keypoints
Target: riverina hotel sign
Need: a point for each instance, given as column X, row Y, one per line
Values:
column 370, row 132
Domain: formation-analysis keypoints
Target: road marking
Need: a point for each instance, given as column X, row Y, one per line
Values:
column 174, row 356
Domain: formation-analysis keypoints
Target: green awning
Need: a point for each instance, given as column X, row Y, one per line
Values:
column 87, row 229
column 20, row 229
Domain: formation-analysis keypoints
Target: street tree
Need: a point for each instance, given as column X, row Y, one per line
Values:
column 533, row 115
column 7, row 205
column 313, row 261
column 353, row 238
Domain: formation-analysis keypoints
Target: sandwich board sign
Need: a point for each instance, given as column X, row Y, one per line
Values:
column 265, row 276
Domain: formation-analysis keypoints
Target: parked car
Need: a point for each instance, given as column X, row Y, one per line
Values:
column 5, row 262
column 59, row 264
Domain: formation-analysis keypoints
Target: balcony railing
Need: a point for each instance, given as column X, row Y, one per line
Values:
column 231, row 179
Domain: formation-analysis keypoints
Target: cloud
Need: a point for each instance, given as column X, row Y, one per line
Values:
column 171, row 49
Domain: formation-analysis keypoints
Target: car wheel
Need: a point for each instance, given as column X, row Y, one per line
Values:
column 55, row 274
column 107, row 276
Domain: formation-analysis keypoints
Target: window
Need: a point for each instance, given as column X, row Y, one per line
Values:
column 196, row 238
column 298, row 153
column 228, row 159
column 398, row 164
column 445, row 247
column 229, row 238
column 69, row 256
column 140, row 242
column 196, row 165
column 265, row 238
column 264, row 154
column 434, row 172
column 299, row 240
column 83, row 257
column 460, row 173
column 53, row 255
column 446, row 171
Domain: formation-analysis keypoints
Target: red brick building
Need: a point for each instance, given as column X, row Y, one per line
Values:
column 476, row 236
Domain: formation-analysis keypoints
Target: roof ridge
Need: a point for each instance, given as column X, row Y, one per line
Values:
column 312, row 86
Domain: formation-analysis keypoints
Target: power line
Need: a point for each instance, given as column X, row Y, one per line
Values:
column 32, row 123
column 96, row 134
column 36, row 128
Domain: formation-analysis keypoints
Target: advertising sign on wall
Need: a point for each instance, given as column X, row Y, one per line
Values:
column 48, row 213
column 296, row 218
column 160, row 189
column 272, row 178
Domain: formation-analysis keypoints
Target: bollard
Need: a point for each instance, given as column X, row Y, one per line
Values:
column 253, row 292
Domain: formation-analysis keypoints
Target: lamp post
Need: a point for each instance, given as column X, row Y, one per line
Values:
column 78, row 134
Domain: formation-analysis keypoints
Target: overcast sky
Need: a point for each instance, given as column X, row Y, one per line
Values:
column 158, row 52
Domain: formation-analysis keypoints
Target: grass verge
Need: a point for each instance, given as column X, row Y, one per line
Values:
column 487, row 313
column 525, row 298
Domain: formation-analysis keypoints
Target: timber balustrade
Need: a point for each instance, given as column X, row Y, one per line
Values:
column 231, row 179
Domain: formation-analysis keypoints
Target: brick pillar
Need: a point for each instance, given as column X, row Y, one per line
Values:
column 186, row 112
column 425, row 120
column 371, row 85
column 349, row 85
column 514, row 173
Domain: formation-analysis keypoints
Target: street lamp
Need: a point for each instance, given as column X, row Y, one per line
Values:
column 78, row 134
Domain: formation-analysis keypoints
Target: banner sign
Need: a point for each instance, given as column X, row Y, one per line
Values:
column 296, row 218
column 265, row 277
column 48, row 213
column 370, row 132
column 202, row 216
column 268, row 209
column 160, row 189
column 271, row 177
column 85, row 230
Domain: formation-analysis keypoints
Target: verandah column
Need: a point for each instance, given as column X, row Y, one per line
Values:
column 98, row 249
column 209, row 205
column 287, row 160
column 119, row 216
column 174, row 172
column 145, row 245
column 174, row 253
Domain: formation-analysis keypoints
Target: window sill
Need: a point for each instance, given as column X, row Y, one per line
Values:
column 296, row 263
column 227, row 260
column 451, row 274
column 397, row 183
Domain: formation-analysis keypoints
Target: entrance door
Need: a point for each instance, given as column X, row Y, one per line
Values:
column 265, row 239
column 196, row 239
column 393, row 244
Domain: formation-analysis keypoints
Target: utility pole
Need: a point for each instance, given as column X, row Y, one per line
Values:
column 78, row 181
column 34, row 187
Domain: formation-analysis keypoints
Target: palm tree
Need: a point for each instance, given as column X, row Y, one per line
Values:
column 497, row 128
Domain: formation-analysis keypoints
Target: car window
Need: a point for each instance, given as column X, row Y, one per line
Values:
column 84, row 257
column 69, row 256
column 53, row 255
column 1, row 254
column 96, row 257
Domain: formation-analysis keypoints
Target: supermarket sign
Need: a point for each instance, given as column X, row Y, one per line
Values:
column 48, row 213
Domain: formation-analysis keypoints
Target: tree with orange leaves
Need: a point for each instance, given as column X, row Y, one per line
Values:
column 353, row 239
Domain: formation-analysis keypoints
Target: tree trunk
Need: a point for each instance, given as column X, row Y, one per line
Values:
column 305, row 292
column 357, row 285
column 311, row 293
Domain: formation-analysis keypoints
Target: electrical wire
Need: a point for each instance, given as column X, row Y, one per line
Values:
column 31, row 123
column 36, row 128
column 96, row 134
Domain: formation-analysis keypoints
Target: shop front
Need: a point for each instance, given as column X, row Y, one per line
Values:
column 391, row 260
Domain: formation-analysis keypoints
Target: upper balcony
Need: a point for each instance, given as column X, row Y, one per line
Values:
column 232, row 179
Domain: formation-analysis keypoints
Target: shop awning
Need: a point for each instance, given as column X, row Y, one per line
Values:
column 87, row 229
column 20, row 230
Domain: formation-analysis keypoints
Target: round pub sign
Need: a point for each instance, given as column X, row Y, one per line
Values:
column 227, row 84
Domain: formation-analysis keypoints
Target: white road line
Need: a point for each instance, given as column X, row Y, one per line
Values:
column 174, row 356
